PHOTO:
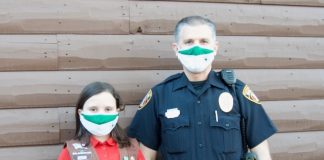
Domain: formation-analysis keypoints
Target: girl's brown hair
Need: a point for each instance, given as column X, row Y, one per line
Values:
column 81, row 134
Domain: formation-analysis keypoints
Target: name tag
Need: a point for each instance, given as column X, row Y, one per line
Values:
column 172, row 113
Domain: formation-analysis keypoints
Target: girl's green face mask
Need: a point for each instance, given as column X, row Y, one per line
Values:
column 99, row 124
column 196, row 51
column 100, row 118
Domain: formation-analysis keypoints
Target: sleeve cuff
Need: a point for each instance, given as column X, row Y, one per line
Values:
column 260, row 139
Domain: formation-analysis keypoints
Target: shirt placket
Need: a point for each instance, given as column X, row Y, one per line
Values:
column 200, row 143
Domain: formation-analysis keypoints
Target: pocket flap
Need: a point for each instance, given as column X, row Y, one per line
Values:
column 175, row 123
column 226, row 122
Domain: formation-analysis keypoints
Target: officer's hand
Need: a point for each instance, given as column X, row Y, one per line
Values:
column 262, row 151
column 149, row 154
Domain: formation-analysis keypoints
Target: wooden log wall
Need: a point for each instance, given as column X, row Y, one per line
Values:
column 49, row 50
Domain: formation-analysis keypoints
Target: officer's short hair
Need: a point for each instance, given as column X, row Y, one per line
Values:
column 193, row 21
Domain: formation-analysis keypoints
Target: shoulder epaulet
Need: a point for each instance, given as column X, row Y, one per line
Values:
column 173, row 77
column 240, row 83
column 150, row 93
column 246, row 91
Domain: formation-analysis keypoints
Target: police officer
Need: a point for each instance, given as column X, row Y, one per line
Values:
column 196, row 114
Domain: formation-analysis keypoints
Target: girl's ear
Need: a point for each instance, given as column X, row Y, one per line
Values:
column 120, row 108
column 79, row 111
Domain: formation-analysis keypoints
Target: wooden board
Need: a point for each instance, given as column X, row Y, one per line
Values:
column 314, row 3
column 291, row 84
column 232, row 19
column 111, row 52
column 125, row 52
column 131, row 52
column 64, row 16
column 28, row 52
column 296, row 116
column 297, row 146
column 293, row 78
column 29, row 126
column 42, row 152
column 46, row 89
column 67, row 123
column 214, row 1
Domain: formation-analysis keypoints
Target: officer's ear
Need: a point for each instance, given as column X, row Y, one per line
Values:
column 175, row 47
column 216, row 47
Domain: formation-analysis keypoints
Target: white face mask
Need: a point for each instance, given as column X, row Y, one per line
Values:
column 196, row 59
column 99, row 124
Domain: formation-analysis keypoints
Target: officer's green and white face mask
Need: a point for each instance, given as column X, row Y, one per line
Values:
column 99, row 124
column 196, row 58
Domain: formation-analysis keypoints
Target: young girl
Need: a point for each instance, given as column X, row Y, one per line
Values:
column 98, row 136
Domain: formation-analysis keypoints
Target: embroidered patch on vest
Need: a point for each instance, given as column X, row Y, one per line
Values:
column 77, row 145
column 146, row 99
column 126, row 158
column 249, row 94
column 81, row 155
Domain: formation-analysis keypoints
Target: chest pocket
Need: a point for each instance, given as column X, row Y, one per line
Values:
column 175, row 134
column 226, row 133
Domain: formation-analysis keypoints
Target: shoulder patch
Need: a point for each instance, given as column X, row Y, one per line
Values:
column 249, row 94
column 146, row 99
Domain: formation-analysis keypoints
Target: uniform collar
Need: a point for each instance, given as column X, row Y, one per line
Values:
column 213, row 79
column 110, row 141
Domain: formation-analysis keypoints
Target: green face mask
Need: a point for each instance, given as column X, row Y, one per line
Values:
column 100, row 118
column 196, row 51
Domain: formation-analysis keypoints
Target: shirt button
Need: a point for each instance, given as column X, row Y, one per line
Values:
column 227, row 124
column 198, row 101
column 199, row 123
column 200, row 145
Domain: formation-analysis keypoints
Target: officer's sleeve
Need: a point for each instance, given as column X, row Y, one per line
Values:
column 145, row 126
column 259, row 127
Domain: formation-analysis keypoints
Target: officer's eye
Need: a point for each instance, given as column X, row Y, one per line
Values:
column 204, row 41
column 188, row 42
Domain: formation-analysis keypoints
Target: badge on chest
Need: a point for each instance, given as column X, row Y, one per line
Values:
column 225, row 101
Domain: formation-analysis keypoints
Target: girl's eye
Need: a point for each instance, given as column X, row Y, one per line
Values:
column 108, row 109
column 93, row 109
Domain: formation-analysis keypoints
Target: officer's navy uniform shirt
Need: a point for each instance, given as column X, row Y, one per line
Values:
column 198, row 132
